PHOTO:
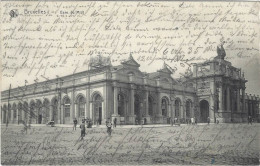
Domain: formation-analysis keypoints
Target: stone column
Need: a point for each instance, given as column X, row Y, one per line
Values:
column 184, row 109
column 251, row 108
column 12, row 116
column 115, row 100
column 115, row 114
column 51, row 113
column 23, row 115
column 212, row 107
column 90, row 110
column 132, row 100
column 131, row 114
column 159, row 109
column 62, row 114
column 173, row 109
column 228, row 99
column 146, row 103
column 72, row 106
column 238, row 100
column 243, row 100
column 220, row 95
column 59, row 110
column 2, row 115
column 87, row 113
column 76, row 112
column 158, row 112
column 103, row 111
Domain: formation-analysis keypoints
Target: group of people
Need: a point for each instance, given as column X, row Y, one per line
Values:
column 176, row 121
column 83, row 126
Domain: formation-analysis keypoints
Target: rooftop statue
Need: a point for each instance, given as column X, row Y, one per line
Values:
column 221, row 52
column 99, row 61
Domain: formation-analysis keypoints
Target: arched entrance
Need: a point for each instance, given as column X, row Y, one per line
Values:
column 97, row 109
column 137, row 111
column 204, row 111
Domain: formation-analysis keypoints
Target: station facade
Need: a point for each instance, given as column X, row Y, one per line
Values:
column 213, row 89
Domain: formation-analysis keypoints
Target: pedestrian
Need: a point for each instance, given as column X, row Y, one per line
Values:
column 208, row 120
column 192, row 121
column 109, row 126
column 75, row 122
column 175, row 120
column 249, row 120
column 195, row 120
column 115, row 120
column 83, row 130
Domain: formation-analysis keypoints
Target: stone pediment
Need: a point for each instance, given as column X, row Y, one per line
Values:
column 131, row 62
column 165, row 70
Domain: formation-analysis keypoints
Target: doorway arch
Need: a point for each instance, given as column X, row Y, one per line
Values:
column 204, row 110
column 97, row 109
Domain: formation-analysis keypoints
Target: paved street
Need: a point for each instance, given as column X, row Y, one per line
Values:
column 161, row 144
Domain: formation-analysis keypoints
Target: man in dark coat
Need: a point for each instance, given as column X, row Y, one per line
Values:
column 208, row 120
column 75, row 122
column 115, row 120
column 83, row 129
column 109, row 126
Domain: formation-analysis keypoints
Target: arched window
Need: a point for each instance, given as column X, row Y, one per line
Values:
column 164, row 107
column 81, row 107
column 67, row 107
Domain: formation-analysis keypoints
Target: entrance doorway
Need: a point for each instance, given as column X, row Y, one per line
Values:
column 204, row 111
column 97, row 109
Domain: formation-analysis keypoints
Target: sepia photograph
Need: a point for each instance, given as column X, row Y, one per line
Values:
column 130, row 82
